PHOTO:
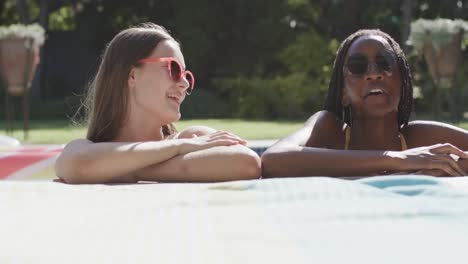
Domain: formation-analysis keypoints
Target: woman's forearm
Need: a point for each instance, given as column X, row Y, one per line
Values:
column 307, row 161
column 85, row 162
column 215, row 164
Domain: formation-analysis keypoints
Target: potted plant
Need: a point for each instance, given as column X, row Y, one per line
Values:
column 439, row 41
column 19, row 55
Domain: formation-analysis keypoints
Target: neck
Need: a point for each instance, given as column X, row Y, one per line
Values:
column 142, row 132
column 138, row 127
column 380, row 133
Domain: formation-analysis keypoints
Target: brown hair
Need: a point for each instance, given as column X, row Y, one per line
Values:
column 106, row 102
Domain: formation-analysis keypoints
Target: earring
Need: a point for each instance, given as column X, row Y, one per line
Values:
column 348, row 115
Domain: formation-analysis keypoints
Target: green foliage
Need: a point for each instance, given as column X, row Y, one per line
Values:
column 253, row 58
column 459, row 92
column 63, row 19
column 203, row 103
column 290, row 96
column 308, row 54
column 297, row 92
column 8, row 13
column 43, row 110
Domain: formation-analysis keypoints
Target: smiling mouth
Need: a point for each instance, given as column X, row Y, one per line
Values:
column 174, row 98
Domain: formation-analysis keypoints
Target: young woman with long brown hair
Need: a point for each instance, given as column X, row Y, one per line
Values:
column 131, row 105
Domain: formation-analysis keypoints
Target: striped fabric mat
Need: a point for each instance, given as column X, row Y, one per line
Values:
column 388, row 219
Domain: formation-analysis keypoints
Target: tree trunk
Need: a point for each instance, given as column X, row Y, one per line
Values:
column 407, row 16
column 39, row 84
column 23, row 11
column 44, row 14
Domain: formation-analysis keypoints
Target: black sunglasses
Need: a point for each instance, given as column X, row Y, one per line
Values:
column 358, row 64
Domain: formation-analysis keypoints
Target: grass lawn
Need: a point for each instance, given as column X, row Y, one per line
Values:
column 60, row 131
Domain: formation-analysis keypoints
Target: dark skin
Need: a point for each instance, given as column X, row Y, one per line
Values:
column 375, row 148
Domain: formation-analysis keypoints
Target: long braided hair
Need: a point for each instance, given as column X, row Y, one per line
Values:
column 335, row 88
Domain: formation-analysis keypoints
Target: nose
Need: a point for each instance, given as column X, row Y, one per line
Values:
column 373, row 72
column 183, row 83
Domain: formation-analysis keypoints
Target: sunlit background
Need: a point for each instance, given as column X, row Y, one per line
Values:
column 253, row 59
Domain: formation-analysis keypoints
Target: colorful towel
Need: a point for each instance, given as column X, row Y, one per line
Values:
column 28, row 162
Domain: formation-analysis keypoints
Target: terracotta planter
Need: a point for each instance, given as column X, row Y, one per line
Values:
column 443, row 63
column 18, row 61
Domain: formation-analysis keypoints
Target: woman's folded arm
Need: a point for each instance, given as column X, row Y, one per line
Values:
column 83, row 161
column 224, row 163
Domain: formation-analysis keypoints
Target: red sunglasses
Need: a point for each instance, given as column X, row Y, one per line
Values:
column 175, row 71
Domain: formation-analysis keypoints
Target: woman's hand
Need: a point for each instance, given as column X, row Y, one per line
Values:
column 219, row 138
column 435, row 160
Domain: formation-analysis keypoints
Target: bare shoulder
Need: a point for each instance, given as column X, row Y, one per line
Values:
column 327, row 130
column 195, row 130
column 324, row 119
column 425, row 133
column 77, row 144
column 72, row 149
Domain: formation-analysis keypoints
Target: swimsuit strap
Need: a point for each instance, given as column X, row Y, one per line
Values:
column 347, row 137
column 404, row 146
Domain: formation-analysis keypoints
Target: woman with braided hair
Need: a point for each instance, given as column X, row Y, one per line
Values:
column 364, row 128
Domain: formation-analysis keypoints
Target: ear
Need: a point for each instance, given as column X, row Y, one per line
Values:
column 344, row 98
column 131, row 82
